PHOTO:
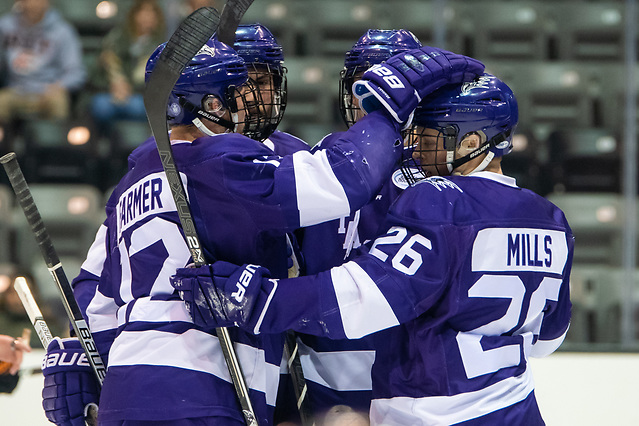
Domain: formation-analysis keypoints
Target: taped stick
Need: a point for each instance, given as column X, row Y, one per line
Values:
column 23, row 194
column 30, row 305
column 185, row 42
column 44, row 333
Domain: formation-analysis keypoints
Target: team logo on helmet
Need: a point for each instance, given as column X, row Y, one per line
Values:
column 206, row 50
column 482, row 82
column 175, row 109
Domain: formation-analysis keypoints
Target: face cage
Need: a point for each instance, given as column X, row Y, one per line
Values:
column 246, row 101
column 270, row 82
column 347, row 108
column 426, row 154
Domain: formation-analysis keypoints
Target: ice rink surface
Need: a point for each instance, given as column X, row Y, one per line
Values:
column 572, row 389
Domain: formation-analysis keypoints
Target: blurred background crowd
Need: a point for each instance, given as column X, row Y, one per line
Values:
column 72, row 78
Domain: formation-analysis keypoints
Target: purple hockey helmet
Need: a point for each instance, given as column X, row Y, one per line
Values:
column 485, row 106
column 212, row 83
column 374, row 47
column 264, row 59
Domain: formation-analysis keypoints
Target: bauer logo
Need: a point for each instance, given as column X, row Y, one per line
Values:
column 62, row 359
column 243, row 282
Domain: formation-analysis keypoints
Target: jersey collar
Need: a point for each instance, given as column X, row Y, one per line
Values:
column 506, row 180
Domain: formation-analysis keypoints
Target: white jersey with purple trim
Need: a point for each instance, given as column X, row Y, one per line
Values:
column 244, row 199
column 469, row 279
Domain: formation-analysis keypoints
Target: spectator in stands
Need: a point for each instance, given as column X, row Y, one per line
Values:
column 41, row 56
column 12, row 350
column 120, row 71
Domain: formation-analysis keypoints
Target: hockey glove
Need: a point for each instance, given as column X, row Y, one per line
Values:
column 70, row 386
column 223, row 294
column 399, row 84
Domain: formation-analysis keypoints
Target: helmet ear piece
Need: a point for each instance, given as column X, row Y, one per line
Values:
column 213, row 105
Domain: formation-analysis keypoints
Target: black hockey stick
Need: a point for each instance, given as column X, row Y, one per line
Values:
column 23, row 194
column 232, row 14
column 183, row 45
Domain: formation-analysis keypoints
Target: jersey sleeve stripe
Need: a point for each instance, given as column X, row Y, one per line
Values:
column 340, row 370
column 97, row 253
column 320, row 195
column 363, row 307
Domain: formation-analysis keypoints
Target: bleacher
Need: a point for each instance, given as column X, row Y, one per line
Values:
column 563, row 59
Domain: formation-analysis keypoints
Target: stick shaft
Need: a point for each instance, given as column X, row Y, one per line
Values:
column 30, row 305
column 30, row 210
column 185, row 42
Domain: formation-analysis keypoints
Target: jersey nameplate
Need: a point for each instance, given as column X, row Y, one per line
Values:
column 149, row 196
column 520, row 249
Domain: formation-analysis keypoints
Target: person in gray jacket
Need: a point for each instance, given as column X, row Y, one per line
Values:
column 41, row 59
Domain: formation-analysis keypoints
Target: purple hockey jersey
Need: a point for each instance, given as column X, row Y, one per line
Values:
column 338, row 372
column 469, row 279
column 244, row 198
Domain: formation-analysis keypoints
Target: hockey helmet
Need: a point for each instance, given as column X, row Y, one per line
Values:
column 485, row 106
column 212, row 83
column 264, row 59
column 374, row 47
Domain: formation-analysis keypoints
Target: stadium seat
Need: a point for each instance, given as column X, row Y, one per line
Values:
column 526, row 162
column 50, row 157
column 550, row 95
column 82, row 14
column 597, row 294
column 426, row 19
column 334, row 25
column 501, row 30
column 590, row 31
column 585, row 159
column 597, row 222
column 312, row 89
column 284, row 18
column 71, row 214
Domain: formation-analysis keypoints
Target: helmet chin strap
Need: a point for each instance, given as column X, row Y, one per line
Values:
column 231, row 125
column 489, row 157
column 483, row 148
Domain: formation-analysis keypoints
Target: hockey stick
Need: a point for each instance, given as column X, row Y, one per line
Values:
column 183, row 45
column 23, row 194
column 30, row 305
column 232, row 14
column 42, row 329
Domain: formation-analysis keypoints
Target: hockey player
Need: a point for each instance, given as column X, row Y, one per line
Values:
column 244, row 198
column 468, row 279
column 337, row 372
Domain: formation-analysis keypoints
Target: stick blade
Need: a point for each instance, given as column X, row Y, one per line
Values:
column 186, row 41
column 232, row 14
